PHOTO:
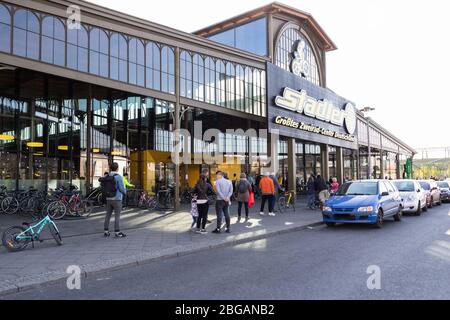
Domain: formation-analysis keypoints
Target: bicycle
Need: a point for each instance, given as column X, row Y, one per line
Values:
column 286, row 201
column 147, row 202
column 17, row 239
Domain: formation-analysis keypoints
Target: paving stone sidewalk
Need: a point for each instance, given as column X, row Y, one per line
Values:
column 154, row 237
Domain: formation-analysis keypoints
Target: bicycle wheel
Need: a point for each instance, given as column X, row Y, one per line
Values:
column 152, row 204
column 55, row 233
column 10, row 205
column 10, row 241
column 56, row 210
column 85, row 208
column 282, row 204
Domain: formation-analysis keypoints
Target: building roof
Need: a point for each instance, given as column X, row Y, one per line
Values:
column 274, row 7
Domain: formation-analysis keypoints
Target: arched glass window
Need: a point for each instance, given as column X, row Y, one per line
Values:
column 26, row 34
column 295, row 47
column 220, row 83
column 53, row 41
column 257, row 92
column 186, row 74
column 199, row 78
column 77, row 49
column 98, row 52
column 263, row 94
column 153, row 66
column 136, row 64
column 210, row 79
column 168, row 70
column 248, row 90
column 5, row 29
column 230, row 86
column 240, row 88
column 119, row 57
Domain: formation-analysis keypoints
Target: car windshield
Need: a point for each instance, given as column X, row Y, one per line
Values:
column 443, row 185
column 405, row 186
column 358, row 189
column 425, row 185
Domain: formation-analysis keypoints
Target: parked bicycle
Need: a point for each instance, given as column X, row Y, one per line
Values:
column 286, row 201
column 16, row 239
column 69, row 202
column 147, row 201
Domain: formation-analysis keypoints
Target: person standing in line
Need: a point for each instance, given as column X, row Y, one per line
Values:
column 243, row 189
column 224, row 193
column 322, row 189
column 334, row 186
column 203, row 189
column 127, row 186
column 114, row 190
column 267, row 187
column 311, row 190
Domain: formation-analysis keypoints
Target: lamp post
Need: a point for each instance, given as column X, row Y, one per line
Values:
column 369, row 153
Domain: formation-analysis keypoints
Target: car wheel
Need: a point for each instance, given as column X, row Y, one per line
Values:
column 419, row 210
column 331, row 224
column 399, row 215
column 380, row 220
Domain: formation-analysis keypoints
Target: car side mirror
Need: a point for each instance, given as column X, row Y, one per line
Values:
column 385, row 194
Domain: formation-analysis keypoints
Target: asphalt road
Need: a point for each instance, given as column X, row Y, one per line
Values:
column 413, row 257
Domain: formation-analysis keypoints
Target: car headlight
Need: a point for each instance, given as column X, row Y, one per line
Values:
column 366, row 209
column 327, row 209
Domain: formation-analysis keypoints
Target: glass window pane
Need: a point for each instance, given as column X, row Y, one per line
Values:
column 5, row 16
column 5, row 35
column 47, row 50
column 20, row 19
column 32, row 45
column 226, row 38
column 47, row 27
column 252, row 37
column 59, row 55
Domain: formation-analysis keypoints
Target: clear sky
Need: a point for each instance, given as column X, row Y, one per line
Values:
column 393, row 55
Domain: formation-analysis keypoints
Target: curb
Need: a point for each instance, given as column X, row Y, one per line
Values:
column 140, row 260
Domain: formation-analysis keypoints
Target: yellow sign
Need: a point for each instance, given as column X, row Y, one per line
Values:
column 63, row 148
column 6, row 137
column 35, row 144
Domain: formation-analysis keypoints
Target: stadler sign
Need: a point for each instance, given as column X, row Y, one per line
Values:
column 323, row 110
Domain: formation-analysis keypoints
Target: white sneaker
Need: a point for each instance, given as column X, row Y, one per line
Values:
column 262, row 214
column 272, row 214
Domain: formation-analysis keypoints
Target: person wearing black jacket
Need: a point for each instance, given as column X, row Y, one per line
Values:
column 322, row 189
column 203, row 189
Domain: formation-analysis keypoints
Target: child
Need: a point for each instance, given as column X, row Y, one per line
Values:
column 194, row 211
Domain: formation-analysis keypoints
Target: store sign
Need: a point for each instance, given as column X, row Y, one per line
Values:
column 300, row 66
column 291, row 123
column 323, row 110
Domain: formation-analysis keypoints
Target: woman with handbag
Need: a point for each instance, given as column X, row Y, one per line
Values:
column 243, row 190
column 202, row 190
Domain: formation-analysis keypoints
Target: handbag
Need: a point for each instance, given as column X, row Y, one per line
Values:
column 251, row 200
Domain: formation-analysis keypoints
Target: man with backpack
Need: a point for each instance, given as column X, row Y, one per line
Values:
column 114, row 191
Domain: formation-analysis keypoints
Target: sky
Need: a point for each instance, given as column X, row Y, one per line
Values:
column 393, row 55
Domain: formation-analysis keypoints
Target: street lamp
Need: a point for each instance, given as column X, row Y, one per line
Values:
column 369, row 154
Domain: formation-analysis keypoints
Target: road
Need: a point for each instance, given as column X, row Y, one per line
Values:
column 413, row 257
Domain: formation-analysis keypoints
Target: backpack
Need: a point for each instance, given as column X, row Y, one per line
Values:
column 109, row 186
column 242, row 187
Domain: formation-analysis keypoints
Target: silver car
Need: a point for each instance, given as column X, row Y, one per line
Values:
column 414, row 197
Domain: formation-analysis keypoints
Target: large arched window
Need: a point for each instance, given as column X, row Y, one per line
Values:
column 199, row 78
column 295, row 54
column 98, row 52
column 136, row 63
column 119, row 57
column 77, row 49
column 26, row 34
column 153, row 66
column 210, row 76
column 53, row 41
column 186, row 74
column 167, row 70
column 5, row 29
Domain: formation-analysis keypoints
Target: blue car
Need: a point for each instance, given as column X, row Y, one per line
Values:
column 364, row 202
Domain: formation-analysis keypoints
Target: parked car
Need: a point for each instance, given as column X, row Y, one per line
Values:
column 427, row 189
column 414, row 198
column 435, row 193
column 445, row 190
column 363, row 202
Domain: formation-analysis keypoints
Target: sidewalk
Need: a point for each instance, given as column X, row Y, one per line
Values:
column 154, row 237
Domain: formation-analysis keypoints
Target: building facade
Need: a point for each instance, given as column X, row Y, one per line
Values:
column 76, row 95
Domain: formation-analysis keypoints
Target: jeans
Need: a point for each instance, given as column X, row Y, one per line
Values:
column 202, row 215
column 116, row 206
column 271, row 200
column 311, row 199
column 194, row 221
column 222, row 208
column 240, row 208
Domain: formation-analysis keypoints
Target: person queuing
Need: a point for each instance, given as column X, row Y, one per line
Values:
column 334, row 188
column 243, row 189
column 311, row 190
column 321, row 189
column 267, row 187
column 202, row 190
column 224, row 193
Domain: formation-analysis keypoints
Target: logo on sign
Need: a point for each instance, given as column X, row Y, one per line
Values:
column 324, row 110
column 300, row 66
